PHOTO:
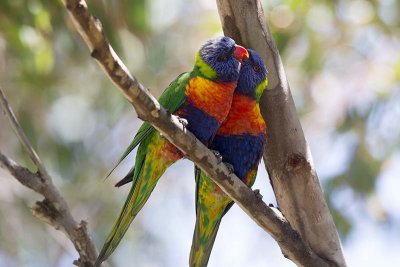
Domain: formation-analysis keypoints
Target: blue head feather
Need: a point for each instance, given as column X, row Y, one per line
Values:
column 253, row 72
column 218, row 54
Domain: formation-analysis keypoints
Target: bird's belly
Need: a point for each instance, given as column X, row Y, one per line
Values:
column 243, row 152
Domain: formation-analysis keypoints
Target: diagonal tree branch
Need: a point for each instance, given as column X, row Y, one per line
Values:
column 287, row 155
column 53, row 209
column 148, row 109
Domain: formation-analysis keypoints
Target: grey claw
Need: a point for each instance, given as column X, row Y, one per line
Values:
column 217, row 154
column 230, row 167
column 257, row 194
column 183, row 121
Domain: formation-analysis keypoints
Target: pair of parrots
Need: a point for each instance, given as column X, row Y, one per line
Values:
column 219, row 99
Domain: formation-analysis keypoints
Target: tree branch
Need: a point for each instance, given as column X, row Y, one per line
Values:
column 147, row 108
column 53, row 209
column 21, row 135
column 286, row 156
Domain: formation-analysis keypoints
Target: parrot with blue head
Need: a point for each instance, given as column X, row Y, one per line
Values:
column 202, row 98
column 240, row 141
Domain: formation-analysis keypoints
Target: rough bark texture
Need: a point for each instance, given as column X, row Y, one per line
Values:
column 148, row 109
column 287, row 156
column 53, row 209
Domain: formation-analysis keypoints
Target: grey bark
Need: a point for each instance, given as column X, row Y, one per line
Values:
column 287, row 156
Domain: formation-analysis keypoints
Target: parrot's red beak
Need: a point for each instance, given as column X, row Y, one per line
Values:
column 241, row 54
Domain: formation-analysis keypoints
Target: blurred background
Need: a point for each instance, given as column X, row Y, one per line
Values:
column 343, row 63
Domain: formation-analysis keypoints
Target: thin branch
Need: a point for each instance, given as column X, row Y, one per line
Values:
column 147, row 108
column 53, row 209
column 21, row 135
column 287, row 155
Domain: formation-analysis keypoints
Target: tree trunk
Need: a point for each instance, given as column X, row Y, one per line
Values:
column 287, row 156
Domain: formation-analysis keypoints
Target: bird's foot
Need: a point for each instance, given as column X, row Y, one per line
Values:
column 217, row 154
column 184, row 122
column 257, row 194
column 229, row 167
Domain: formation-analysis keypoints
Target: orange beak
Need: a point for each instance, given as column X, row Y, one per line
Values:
column 241, row 54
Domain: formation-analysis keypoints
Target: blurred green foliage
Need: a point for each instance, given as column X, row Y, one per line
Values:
column 341, row 58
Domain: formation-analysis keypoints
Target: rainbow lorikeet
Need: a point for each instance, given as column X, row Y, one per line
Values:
column 240, row 141
column 203, row 98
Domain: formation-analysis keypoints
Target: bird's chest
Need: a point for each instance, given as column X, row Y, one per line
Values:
column 214, row 99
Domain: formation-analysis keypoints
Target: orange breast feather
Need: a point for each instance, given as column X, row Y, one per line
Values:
column 213, row 98
column 244, row 117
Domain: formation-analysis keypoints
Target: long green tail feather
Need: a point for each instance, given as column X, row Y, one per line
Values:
column 129, row 210
column 147, row 172
column 202, row 243
column 119, row 229
column 206, row 228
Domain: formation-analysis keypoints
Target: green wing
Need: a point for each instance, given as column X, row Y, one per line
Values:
column 174, row 96
column 171, row 99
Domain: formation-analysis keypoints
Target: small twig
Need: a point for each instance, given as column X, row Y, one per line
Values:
column 21, row 135
column 53, row 210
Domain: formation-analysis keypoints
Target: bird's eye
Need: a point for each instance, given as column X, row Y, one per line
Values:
column 222, row 58
column 256, row 68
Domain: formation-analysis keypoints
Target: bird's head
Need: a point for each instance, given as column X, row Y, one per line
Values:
column 253, row 76
column 219, row 59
